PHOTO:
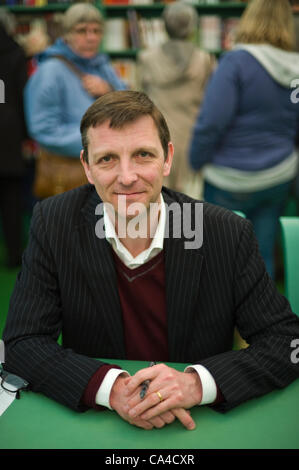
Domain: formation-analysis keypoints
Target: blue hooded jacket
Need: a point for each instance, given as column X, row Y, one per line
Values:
column 55, row 99
column 248, row 120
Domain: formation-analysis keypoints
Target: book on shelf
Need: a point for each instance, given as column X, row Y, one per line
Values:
column 41, row 3
column 216, row 2
column 127, row 2
column 216, row 33
column 116, row 36
column 27, row 23
column 145, row 32
column 134, row 29
column 50, row 24
column 152, row 32
column 32, row 3
column 210, row 32
column 115, row 2
column 142, row 2
column 229, row 26
column 126, row 69
column 207, row 2
column 134, row 32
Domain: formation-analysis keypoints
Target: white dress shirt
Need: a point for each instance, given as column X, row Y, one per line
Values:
column 209, row 389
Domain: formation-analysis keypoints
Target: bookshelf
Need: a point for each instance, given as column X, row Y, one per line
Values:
column 123, row 11
column 224, row 8
column 224, row 11
column 131, row 27
column 35, row 9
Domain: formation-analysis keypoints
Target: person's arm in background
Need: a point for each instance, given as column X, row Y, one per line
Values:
column 217, row 112
column 107, row 81
column 110, row 76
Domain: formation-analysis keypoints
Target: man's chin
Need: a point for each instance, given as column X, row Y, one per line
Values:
column 130, row 206
column 131, row 211
column 123, row 202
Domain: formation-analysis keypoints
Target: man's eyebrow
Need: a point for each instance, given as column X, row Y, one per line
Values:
column 105, row 153
column 145, row 148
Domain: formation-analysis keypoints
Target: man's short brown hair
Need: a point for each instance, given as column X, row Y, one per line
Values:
column 121, row 108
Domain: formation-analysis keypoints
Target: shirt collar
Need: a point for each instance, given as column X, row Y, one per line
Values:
column 155, row 247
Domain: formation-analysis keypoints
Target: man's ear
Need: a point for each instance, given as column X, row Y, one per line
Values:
column 86, row 168
column 168, row 161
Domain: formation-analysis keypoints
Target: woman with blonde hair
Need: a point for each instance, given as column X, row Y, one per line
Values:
column 244, row 137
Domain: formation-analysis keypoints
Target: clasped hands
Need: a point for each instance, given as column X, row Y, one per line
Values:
column 180, row 391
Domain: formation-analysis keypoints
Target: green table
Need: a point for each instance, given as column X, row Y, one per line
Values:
column 269, row 422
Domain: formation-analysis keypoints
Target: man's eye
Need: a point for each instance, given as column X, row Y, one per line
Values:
column 144, row 154
column 105, row 159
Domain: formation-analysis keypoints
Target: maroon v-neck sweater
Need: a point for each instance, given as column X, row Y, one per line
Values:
column 142, row 296
column 143, row 303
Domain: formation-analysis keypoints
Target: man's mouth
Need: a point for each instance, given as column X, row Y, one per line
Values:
column 133, row 193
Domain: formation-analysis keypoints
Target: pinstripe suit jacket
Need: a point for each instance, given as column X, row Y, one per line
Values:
column 68, row 282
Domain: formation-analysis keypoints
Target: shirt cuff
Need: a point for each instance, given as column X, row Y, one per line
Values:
column 209, row 387
column 103, row 393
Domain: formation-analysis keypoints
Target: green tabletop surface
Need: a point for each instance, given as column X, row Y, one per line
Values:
column 268, row 422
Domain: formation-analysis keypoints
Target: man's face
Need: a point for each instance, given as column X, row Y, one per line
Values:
column 128, row 162
column 84, row 39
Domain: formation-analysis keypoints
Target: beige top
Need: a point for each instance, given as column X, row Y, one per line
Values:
column 174, row 76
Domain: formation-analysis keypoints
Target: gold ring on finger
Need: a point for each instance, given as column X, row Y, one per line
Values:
column 160, row 396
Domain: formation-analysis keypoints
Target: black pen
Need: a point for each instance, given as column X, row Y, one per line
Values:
column 146, row 383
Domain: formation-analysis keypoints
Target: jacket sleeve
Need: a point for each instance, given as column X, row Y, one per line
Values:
column 217, row 112
column 34, row 323
column 43, row 100
column 265, row 320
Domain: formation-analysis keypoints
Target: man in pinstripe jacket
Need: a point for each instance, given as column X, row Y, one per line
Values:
column 149, row 298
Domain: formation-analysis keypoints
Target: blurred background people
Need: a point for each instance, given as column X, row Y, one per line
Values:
column 55, row 96
column 244, row 137
column 33, row 43
column 174, row 76
column 13, row 74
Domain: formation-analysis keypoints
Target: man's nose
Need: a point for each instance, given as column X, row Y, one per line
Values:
column 127, row 174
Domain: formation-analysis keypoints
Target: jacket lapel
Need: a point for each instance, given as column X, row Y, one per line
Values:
column 182, row 268
column 98, row 267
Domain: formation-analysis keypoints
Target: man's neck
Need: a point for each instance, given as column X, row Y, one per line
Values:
column 135, row 246
column 146, row 228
